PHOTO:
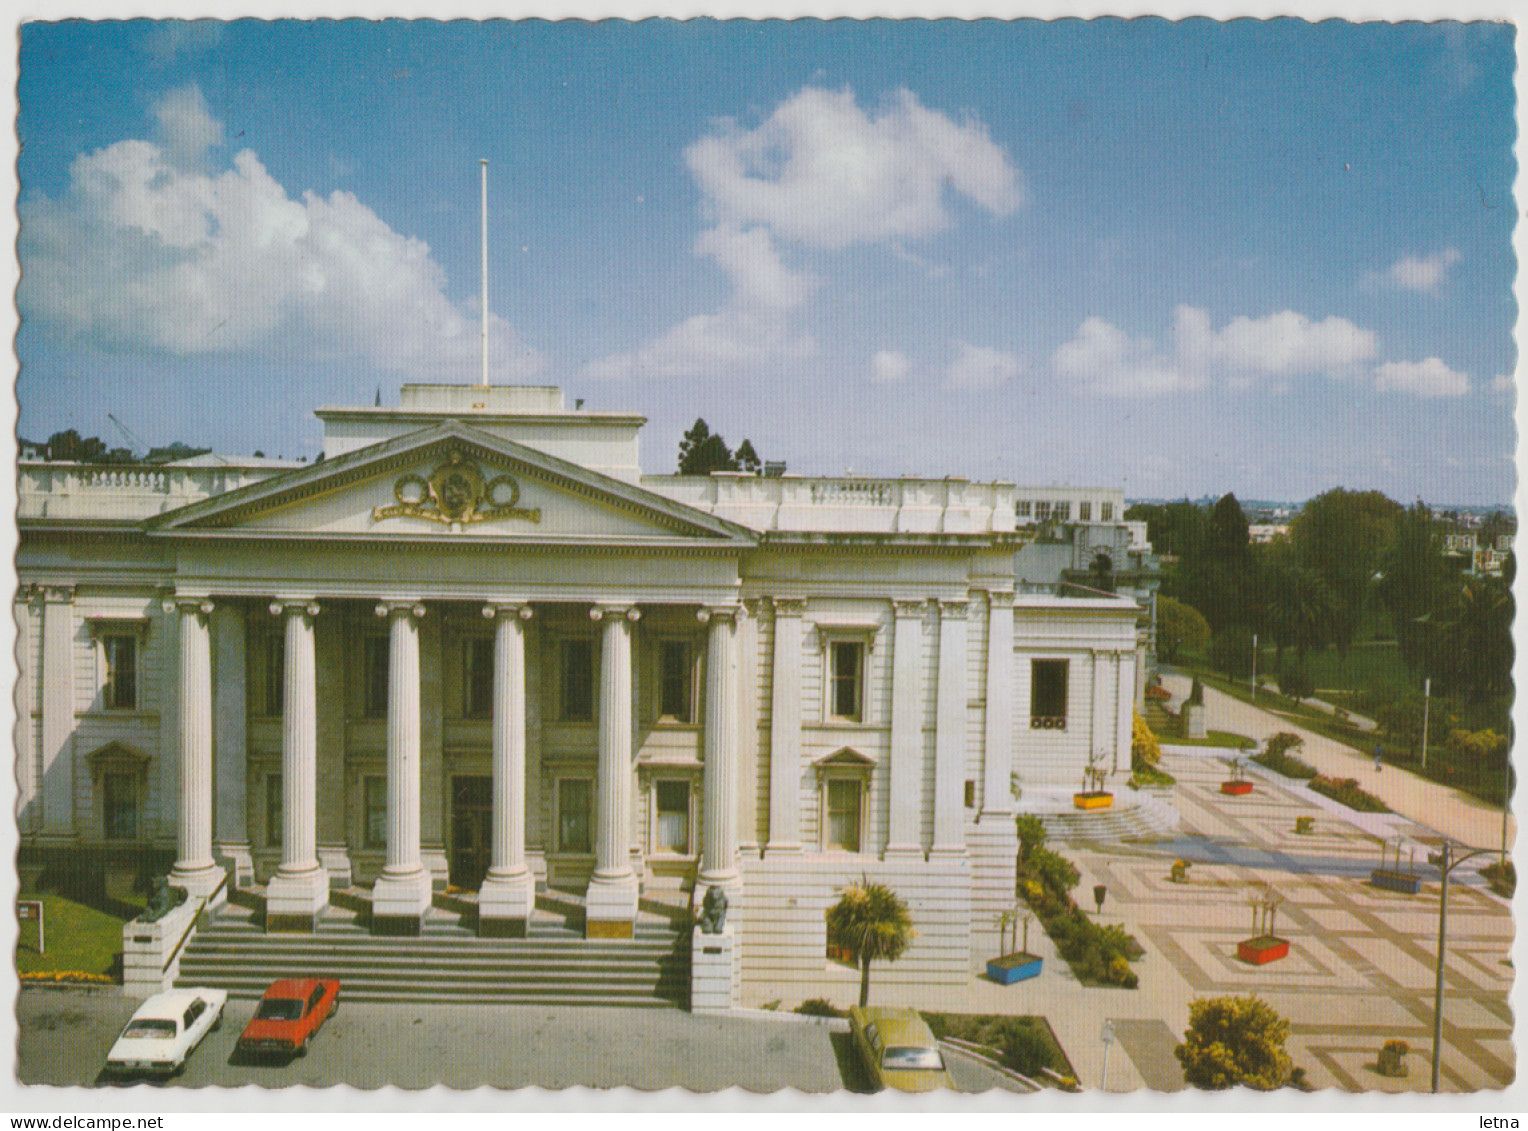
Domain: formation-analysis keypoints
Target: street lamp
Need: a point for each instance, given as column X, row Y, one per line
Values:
column 1254, row 665
column 1107, row 1036
column 1445, row 862
column 1426, row 707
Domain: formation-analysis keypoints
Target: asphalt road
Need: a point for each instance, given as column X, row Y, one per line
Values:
column 65, row 1035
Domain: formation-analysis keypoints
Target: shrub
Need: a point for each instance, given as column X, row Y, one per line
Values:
column 1283, row 743
column 1501, row 877
column 1347, row 791
column 1053, row 870
column 820, row 1007
column 1145, row 752
column 1025, row 1050
column 1282, row 763
column 1234, row 1040
column 1031, row 834
column 1296, row 683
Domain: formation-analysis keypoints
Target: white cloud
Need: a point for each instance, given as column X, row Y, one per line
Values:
column 1430, row 378
column 750, row 259
column 1101, row 358
column 981, row 367
column 824, row 173
column 1504, row 383
column 889, row 366
column 143, row 252
column 186, row 125
column 705, row 345
column 1425, row 273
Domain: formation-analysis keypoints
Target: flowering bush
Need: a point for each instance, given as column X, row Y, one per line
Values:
column 67, row 978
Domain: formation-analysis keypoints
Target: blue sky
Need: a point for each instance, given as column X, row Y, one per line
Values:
column 1271, row 258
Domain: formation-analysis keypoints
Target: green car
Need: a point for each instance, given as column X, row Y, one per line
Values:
column 898, row 1048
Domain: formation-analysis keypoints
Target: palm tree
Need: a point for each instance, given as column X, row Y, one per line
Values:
column 870, row 922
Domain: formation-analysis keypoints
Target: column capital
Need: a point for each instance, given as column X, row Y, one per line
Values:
column 287, row 606
column 414, row 609
column 955, row 608
column 718, row 612
column 1000, row 598
column 788, row 606
column 906, row 609
column 201, row 605
column 630, row 612
column 495, row 609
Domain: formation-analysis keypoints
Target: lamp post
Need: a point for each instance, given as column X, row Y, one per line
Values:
column 1107, row 1036
column 1254, row 665
column 1426, row 707
column 1445, row 862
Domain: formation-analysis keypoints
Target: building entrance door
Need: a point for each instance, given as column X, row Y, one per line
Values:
column 471, row 830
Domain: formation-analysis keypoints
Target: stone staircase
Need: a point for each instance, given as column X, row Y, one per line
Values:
column 447, row 962
column 1136, row 815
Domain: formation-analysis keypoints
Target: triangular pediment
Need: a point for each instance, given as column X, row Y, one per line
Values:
column 844, row 758
column 450, row 480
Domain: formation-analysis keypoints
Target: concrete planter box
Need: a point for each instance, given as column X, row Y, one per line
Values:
column 1262, row 950
column 1407, row 883
column 1013, row 968
column 1092, row 800
column 1235, row 788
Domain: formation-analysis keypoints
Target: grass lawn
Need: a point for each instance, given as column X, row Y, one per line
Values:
column 78, row 939
column 1026, row 1044
column 1211, row 738
column 1368, row 666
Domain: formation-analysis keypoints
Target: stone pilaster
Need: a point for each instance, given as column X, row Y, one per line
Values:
column 27, row 605
column 401, row 894
column 508, row 894
column 718, row 863
column 785, row 728
column 997, row 764
column 905, row 807
column 231, row 845
column 298, row 892
column 611, row 905
column 195, row 870
column 57, row 785
column 950, row 729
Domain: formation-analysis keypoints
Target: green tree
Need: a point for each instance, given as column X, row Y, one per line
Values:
column 1296, row 608
column 1414, row 579
column 747, row 458
column 67, row 446
column 1227, row 538
column 1295, row 682
column 1231, row 652
column 1340, row 534
column 1469, row 641
column 702, row 451
column 871, row 923
column 1174, row 529
column 1234, row 1040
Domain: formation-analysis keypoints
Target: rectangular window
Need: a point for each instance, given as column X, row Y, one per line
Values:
column 119, row 806
column 1061, row 512
column 675, row 679
column 574, row 796
column 121, row 690
column 1106, row 512
column 846, row 676
column 374, row 798
column 673, row 802
column 273, row 807
column 275, row 675
column 477, row 678
column 1021, row 508
column 578, row 680
column 844, row 814
column 1047, row 694
column 1084, row 512
column 377, row 650
column 1042, row 512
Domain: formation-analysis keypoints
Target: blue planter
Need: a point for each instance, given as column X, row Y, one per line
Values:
column 1407, row 883
column 1013, row 968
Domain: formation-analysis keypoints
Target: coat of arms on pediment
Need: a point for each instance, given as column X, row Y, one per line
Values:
column 457, row 492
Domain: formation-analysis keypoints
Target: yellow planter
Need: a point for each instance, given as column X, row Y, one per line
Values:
column 1092, row 800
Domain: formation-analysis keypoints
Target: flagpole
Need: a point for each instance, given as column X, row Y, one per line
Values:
column 483, row 163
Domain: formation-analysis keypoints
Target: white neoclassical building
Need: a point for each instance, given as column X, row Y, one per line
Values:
column 475, row 647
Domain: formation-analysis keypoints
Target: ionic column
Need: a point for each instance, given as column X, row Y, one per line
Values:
column 299, row 890
column 718, row 863
column 903, row 835
column 785, row 728
column 230, row 728
column 950, row 729
column 508, row 894
column 997, row 767
column 57, row 785
column 611, row 904
column 194, row 869
column 402, row 892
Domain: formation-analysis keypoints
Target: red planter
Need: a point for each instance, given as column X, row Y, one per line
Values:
column 1236, row 788
column 1263, row 950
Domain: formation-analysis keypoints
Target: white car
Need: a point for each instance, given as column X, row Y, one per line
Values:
column 164, row 1030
